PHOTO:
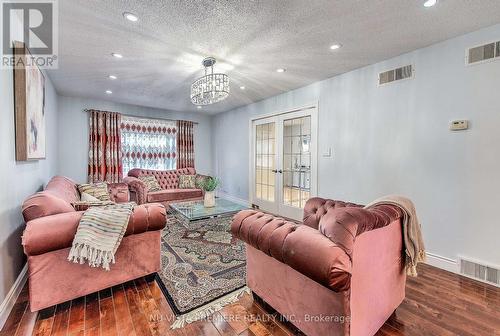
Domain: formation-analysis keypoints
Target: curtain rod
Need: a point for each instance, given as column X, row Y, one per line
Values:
column 135, row 116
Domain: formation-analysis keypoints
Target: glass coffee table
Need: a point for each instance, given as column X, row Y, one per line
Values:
column 191, row 211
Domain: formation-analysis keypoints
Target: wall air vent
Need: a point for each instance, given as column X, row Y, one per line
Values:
column 480, row 271
column 487, row 52
column 405, row 72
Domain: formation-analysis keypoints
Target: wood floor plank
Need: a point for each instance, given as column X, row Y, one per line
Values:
column 76, row 324
column 236, row 316
column 222, row 326
column 139, row 319
column 92, row 315
column 44, row 322
column 124, row 326
column 107, row 316
column 61, row 319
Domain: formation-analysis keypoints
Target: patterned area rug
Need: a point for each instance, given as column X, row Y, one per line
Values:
column 203, row 267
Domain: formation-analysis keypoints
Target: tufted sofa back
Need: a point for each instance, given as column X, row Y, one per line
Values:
column 168, row 179
column 316, row 207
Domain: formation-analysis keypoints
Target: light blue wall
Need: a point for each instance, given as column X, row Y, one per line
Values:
column 18, row 180
column 74, row 130
column 395, row 139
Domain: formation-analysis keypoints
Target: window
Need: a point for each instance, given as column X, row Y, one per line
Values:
column 148, row 143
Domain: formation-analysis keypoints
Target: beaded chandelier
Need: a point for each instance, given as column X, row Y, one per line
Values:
column 211, row 88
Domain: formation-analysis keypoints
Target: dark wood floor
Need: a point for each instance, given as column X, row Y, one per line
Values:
column 437, row 303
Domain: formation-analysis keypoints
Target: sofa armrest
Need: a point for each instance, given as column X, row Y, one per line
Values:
column 118, row 192
column 301, row 247
column 55, row 232
column 138, row 188
column 316, row 207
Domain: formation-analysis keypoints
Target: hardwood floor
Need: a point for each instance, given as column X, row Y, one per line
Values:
column 437, row 303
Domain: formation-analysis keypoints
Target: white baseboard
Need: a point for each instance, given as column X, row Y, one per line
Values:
column 233, row 198
column 12, row 295
column 438, row 261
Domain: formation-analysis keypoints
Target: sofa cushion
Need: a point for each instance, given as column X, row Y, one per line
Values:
column 187, row 181
column 98, row 190
column 150, row 182
column 169, row 195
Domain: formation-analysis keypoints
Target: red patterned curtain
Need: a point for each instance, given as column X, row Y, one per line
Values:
column 105, row 163
column 185, row 144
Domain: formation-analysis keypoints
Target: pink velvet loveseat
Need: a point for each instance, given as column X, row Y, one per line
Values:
column 339, row 273
column 51, row 224
column 169, row 183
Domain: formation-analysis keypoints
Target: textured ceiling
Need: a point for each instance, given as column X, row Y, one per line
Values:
column 251, row 39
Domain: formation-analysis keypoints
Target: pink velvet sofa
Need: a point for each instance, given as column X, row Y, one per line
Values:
column 341, row 272
column 51, row 224
column 168, row 181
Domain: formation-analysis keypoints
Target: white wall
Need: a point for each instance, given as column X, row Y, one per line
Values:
column 73, row 132
column 395, row 139
column 18, row 180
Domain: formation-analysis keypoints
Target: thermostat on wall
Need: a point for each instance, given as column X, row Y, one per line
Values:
column 459, row 125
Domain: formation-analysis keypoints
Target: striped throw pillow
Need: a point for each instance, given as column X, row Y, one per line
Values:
column 151, row 182
column 98, row 190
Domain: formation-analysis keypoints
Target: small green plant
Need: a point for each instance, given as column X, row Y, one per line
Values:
column 209, row 183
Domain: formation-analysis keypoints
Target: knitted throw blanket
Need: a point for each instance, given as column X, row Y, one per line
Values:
column 412, row 232
column 99, row 234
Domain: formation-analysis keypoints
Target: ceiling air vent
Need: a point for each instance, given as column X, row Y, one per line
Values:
column 483, row 53
column 393, row 75
column 479, row 271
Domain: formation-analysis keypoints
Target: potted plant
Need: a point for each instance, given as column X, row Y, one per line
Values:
column 209, row 184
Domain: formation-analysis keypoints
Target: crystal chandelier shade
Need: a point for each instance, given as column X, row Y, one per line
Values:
column 211, row 88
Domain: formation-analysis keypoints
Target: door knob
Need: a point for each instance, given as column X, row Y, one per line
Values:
column 280, row 171
column 274, row 171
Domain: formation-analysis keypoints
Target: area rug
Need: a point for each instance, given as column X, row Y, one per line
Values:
column 203, row 268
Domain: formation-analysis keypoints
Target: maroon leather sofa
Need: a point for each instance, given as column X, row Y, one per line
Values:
column 341, row 272
column 168, row 181
column 51, row 224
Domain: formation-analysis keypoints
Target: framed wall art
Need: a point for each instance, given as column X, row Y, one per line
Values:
column 29, row 101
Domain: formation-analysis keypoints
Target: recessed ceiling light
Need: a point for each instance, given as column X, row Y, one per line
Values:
column 109, row 92
column 113, row 77
column 131, row 17
column 336, row 46
column 117, row 55
column 430, row 3
column 198, row 107
column 242, row 88
column 280, row 70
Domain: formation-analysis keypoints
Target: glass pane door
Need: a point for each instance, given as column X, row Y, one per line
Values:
column 265, row 158
column 296, row 161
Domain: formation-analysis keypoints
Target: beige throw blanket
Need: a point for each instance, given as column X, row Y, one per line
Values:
column 412, row 234
column 99, row 234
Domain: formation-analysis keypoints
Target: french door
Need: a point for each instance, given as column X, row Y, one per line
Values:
column 283, row 162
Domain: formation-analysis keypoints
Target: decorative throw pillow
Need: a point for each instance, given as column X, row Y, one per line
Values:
column 98, row 190
column 151, row 182
column 88, row 198
column 187, row 181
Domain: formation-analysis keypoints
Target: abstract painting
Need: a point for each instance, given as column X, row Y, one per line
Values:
column 29, row 88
